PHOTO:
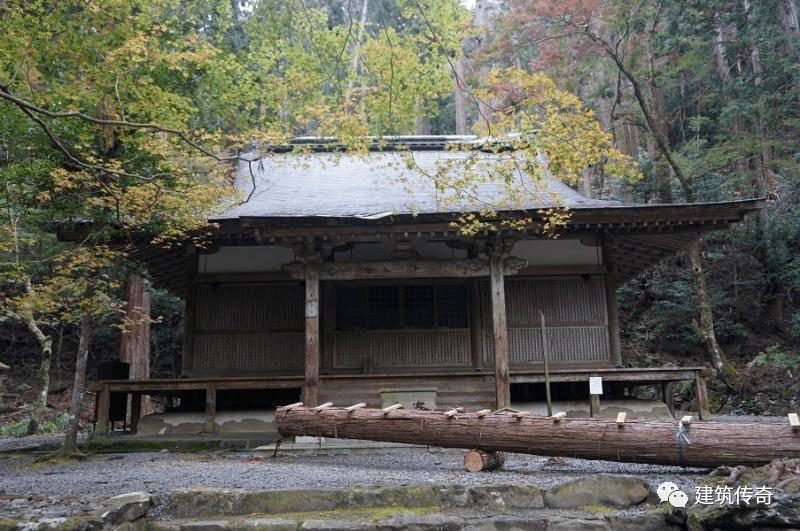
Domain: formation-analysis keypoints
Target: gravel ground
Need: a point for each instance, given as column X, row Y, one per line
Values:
column 28, row 491
column 34, row 491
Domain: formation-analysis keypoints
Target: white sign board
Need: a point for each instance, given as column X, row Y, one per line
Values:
column 595, row 385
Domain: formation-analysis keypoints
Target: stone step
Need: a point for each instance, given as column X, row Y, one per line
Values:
column 598, row 502
column 546, row 520
column 600, row 490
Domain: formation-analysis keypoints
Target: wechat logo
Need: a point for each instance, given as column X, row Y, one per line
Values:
column 669, row 492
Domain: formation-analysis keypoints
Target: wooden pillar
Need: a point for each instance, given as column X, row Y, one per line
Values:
column 700, row 389
column 136, row 411
column 103, row 407
column 613, row 320
column 666, row 393
column 311, row 382
column 500, row 330
column 475, row 323
column 211, row 408
column 594, row 405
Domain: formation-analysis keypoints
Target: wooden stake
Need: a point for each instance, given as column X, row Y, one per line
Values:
column 483, row 412
column 621, row 419
column 355, row 406
column 477, row 460
column 794, row 421
column 520, row 414
column 558, row 416
column 326, row 405
column 451, row 413
column 546, row 356
column 291, row 406
column 391, row 408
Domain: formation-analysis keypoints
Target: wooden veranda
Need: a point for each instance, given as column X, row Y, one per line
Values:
column 665, row 377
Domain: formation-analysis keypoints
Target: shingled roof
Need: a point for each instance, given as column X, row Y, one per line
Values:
column 389, row 191
column 392, row 183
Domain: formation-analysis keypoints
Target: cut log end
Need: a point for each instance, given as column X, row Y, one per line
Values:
column 484, row 460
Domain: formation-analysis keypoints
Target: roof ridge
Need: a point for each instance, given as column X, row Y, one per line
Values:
column 397, row 143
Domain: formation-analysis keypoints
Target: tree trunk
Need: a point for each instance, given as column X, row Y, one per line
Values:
column 135, row 339
column 356, row 60
column 705, row 328
column 70, row 446
column 484, row 460
column 458, row 94
column 662, row 174
column 699, row 444
column 43, row 376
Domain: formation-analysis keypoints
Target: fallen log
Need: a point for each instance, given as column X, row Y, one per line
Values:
column 699, row 444
column 483, row 460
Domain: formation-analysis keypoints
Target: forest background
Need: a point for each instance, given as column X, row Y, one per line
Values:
column 132, row 114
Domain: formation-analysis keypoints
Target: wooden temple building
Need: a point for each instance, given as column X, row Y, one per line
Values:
column 343, row 279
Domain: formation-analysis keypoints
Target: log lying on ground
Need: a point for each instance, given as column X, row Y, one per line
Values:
column 699, row 444
column 483, row 460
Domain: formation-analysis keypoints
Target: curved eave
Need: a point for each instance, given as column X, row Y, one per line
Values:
column 634, row 238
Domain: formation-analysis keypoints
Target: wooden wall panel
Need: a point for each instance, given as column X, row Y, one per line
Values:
column 576, row 321
column 569, row 344
column 247, row 328
column 398, row 349
column 564, row 301
column 249, row 307
column 245, row 353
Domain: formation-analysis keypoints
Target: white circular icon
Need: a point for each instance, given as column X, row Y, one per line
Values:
column 678, row 498
column 665, row 489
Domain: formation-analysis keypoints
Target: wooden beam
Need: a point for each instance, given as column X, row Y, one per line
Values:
column 311, row 381
column 499, row 332
column 377, row 269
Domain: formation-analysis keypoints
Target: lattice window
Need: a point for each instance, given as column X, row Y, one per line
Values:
column 351, row 308
column 383, row 303
column 452, row 302
column 412, row 306
column 418, row 306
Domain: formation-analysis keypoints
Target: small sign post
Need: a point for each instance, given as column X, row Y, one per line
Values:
column 595, row 390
